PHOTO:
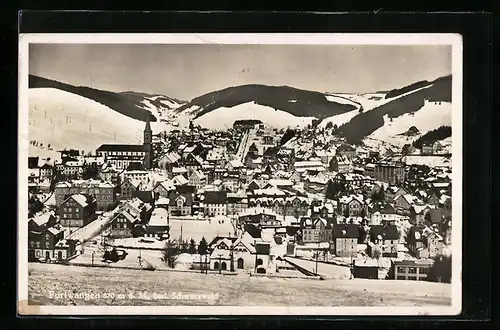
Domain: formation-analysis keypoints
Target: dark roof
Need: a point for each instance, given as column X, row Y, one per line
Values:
column 437, row 215
column 235, row 199
column 186, row 189
column 345, row 147
column 174, row 195
column 262, row 248
column 122, row 147
column 136, row 166
column 215, row 197
column 32, row 162
column 383, row 208
column 386, row 231
column 345, row 231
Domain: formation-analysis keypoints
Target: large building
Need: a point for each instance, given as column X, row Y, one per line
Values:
column 104, row 192
column 121, row 155
column 390, row 173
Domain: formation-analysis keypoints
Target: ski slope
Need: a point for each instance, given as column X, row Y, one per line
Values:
column 431, row 116
column 224, row 117
column 368, row 101
column 66, row 120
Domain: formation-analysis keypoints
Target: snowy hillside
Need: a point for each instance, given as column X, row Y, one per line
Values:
column 223, row 117
column 431, row 116
column 368, row 102
column 66, row 120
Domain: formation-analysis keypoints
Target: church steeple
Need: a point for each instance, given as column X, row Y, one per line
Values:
column 147, row 131
column 148, row 139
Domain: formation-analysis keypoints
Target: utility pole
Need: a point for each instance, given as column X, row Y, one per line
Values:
column 317, row 252
column 92, row 262
column 255, row 268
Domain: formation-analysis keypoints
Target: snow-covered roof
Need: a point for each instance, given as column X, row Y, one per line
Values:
column 80, row 199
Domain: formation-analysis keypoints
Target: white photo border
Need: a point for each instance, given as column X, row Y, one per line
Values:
column 454, row 40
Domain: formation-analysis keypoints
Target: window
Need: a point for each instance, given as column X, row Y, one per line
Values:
column 32, row 244
column 423, row 270
column 412, row 270
column 37, row 244
column 47, row 245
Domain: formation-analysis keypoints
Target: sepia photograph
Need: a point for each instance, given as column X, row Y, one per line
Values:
column 240, row 174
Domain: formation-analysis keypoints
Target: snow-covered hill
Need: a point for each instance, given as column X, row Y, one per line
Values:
column 431, row 116
column 223, row 118
column 66, row 120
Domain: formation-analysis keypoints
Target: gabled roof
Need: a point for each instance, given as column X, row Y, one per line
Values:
column 136, row 166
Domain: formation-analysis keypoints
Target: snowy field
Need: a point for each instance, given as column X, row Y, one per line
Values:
column 197, row 229
column 223, row 118
column 431, row 161
column 66, row 120
column 232, row 290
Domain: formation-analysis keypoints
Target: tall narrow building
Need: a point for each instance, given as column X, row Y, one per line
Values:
column 148, row 145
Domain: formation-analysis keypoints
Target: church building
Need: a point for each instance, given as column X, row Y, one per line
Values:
column 121, row 155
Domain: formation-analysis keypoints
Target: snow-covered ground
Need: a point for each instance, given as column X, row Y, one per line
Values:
column 222, row 118
column 429, row 117
column 340, row 119
column 337, row 98
column 66, row 120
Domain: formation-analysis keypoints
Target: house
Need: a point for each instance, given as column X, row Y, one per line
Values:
column 222, row 253
column 46, row 172
column 136, row 171
column 259, row 216
column 352, row 206
column 385, row 239
column 411, row 270
column 180, row 203
column 124, row 223
column 365, row 268
column 341, row 164
column 346, row 150
column 215, row 203
column 164, row 188
column 345, row 240
column 77, row 210
column 42, row 244
column 192, row 163
column 382, row 213
column 417, row 213
column 158, row 226
column 197, row 179
column 41, row 222
column 128, row 187
column 393, row 192
column 403, row 203
column 236, row 203
column 234, row 165
column 316, row 184
column 316, row 230
column 65, row 249
column 168, row 161
column 109, row 173
column 424, row 242
column 180, row 180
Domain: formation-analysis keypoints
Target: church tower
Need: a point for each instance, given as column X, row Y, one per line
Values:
column 148, row 147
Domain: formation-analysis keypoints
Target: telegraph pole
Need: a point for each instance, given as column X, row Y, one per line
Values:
column 317, row 252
